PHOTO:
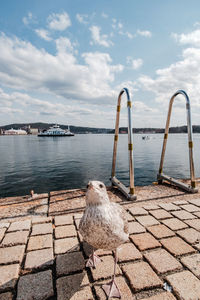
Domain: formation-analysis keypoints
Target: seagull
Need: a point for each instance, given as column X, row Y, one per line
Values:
column 103, row 226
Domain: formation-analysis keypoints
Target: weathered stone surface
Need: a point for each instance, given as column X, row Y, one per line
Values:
column 122, row 285
column 144, row 241
column 4, row 225
column 162, row 261
column 129, row 217
column 197, row 214
column 160, row 231
column 15, row 238
column 39, row 229
column 38, row 220
column 169, row 206
column 195, row 201
column 174, row 224
column 150, row 206
column 135, row 227
column 8, row 276
column 36, row 286
column 147, row 220
column 128, row 252
column 194, row 223
column 65, row 231
column 180, row 202
column 63, row 220
column 177, row 246
column 20, row 225
column 74, row 287
column 11, row 254
column 2, row 231
column 39, row 259
column 185, row 285
column 141, row 276
column 190, row 208
column 105, row 268
column 69, row 262
column 160, row 214
column 183, row 215
column 40, row 242
column 6, row 296
column 192, row 262
column 138, row 211
column 190, row 235
column 162, row 296
column 65, row 245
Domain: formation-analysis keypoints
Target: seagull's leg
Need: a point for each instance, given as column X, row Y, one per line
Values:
column 111, row 289
column 93, row 260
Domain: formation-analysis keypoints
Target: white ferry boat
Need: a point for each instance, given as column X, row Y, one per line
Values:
column 55, row 130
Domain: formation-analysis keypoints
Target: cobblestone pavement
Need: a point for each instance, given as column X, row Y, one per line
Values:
column 43, row 257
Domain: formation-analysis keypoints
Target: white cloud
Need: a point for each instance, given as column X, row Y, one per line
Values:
column 105, row 16
column 59, row 21
column 192, row 38
column 28, row 19
column 99, row 39
column 44, row 34
column 83, row 19
column 135, row 63
column 145, row 33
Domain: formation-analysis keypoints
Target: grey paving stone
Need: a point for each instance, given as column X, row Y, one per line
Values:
column 6, row 296
column 8, row 276
column 21, row 225
column 69, row 262
column 39, row 229
column 38, row 286
column 63, row 220
column 15, row 238
column 66, row 245
column 11, row 254
column 2, row 231
column 4, row 225
column 38, row 220
column 39, row 259
column 40, row 242
column 65, row 231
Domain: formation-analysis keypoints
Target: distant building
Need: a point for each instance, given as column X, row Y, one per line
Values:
column 32, row 130
column 15, row 132
column 1, row 131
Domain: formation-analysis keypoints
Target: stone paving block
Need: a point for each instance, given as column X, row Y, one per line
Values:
column 63, row 220
column 36, row 286
column 185, row 285
column 194, row 223
column 144, row 241
column 39, row 229
column 195, row 201
column 105, row 269
column 183, row 215
column 150, row 206
column 74, row 287
column 129, row 217
column 190, row 207
column 135, row 227
column 8, row 276
column 69, row 262
column 4, row 225
column 160, row 214
column 180, row 202
column 2, row 231
column 197, row 214
column 177, row 246
column 65, row 231
column 169, row 206
column 122, row 285
column 141, row 276
column 160, row 231
column 128, row 252
column 11, row 254
column 162, row 296
column 147, row 220
column 6, row 296
column 20, row 225
column 39, row 259
column 174, row 224
column 66, row 245
column 192, row 262
column 190, row 235
column 40, row 242
column 77, row 222
column 15, row 238
column 161, row 261
column 38, row 220
column 138, row 211
column 197, row 246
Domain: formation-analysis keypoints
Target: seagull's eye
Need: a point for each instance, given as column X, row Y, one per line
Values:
column 101, row 185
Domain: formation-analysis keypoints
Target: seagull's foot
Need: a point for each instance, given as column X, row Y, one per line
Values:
column 111, row 289
column 93, row 260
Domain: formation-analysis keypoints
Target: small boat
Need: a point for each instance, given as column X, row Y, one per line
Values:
column 55, row 130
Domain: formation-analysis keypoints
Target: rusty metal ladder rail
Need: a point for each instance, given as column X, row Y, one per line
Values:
column 128, row 192
column 160, row 177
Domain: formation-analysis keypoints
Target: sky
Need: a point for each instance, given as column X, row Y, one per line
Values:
column 66, row 61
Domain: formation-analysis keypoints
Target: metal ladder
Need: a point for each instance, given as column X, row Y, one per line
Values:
column 128, row 192
column 160, row 177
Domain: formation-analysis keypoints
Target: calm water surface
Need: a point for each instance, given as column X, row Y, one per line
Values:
column 56, row 163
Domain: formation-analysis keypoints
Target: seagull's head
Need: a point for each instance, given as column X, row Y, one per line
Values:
column 96, row 193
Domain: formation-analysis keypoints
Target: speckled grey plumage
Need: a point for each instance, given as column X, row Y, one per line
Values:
column 104, row 224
